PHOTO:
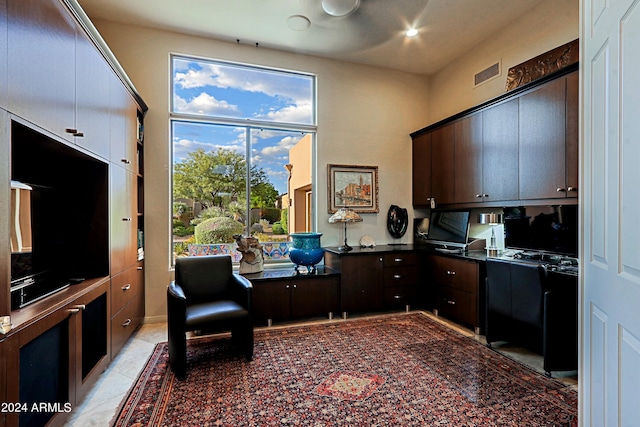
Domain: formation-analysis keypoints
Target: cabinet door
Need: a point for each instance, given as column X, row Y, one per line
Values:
column 92, row 338
column 271, row 300
column 468, row 159
column 362, row 282
column 123, row 211
column 542, row 142
column 123, row 123
column 92, row 97
column 41, row 64
column 500, row 152
column 572, row 133
column 421, row 169
column 442, row 164
column 311, row 297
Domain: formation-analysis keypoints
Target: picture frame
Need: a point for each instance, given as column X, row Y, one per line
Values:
column 352, row 186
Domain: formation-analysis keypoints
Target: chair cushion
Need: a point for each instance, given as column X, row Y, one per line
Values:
column 210, row 313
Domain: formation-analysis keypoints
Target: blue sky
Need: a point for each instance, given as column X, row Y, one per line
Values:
column 211, row 89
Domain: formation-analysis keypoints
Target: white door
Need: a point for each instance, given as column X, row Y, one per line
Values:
column 610, row 211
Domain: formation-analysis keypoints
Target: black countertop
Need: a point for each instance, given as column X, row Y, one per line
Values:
column 478, row 255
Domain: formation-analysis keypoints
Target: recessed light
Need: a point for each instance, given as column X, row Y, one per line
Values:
column 411, row 32
column 298, row 22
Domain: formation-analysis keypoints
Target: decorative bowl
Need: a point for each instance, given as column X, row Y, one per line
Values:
column 306, row 250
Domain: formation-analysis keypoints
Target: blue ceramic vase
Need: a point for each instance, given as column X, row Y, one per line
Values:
column 306, row 250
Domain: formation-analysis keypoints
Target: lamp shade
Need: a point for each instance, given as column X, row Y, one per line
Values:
column 345, row 215
column 490, row 218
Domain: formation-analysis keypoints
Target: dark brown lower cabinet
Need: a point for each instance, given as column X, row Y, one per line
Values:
column 458, row 294
column 294, row 297
column 362, row 285
column 127, row 304
column 55, row 359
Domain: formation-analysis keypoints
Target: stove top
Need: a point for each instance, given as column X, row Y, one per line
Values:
column 553, row 262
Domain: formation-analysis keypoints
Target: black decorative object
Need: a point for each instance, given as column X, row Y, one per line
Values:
column 397, row 221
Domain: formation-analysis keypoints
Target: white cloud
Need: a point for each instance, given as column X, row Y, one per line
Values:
column 290, row 114
column 275, row 84
column 204, row 104
column 283, row 146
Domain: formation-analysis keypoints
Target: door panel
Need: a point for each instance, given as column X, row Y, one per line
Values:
column 610, row 201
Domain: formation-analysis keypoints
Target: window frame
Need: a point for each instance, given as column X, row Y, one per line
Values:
column 249, row 125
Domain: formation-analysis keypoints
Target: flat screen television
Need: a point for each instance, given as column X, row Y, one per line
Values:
column 542, row 228
column 448, row 228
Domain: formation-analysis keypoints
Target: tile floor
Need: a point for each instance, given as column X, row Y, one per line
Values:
column 101, row 403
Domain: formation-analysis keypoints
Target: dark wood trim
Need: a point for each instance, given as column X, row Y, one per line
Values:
column 514, row 93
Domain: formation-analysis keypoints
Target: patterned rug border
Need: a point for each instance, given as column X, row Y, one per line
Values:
column 276, row 332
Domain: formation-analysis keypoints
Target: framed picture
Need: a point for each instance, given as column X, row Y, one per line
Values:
column 355, row 187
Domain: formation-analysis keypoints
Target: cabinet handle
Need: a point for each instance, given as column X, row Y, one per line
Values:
column 126, row 323
column 71, row 130
column 380, row 259
column 478, row 196
column 572, row 189
column 79, row 134
column 138, row 268
column 126, row 287
column 126, row 161
column 287, row 287
column 126, row 219
column 397, row 276
column 81, row 306
column 398, row 259
column 451, row 302
column 397, row 296
column 560, row 190
column 485, row 195
column 451, row 273
column 295, row 286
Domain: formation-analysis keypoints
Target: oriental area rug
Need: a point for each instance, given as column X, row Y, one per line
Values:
column 393, row 370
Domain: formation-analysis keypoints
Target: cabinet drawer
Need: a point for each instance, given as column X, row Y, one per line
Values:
column 462, row 275
column 125, row 286
column 400, row 259
column 125, row 323
column 400, row 276
column 458, row 305
column 399, row 296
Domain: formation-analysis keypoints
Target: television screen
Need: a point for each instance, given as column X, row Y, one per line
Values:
column 448, row 227
column 542, row 228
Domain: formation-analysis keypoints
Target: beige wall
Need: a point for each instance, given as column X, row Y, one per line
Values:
column 301, row 157
column 365, row 115
column 550, row 24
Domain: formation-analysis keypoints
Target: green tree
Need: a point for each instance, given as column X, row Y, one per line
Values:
column 263, row 195
column 213, row 178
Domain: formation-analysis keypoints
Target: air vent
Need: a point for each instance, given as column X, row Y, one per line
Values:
column 487, row 74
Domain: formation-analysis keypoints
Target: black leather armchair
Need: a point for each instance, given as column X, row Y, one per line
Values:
column 208, row 297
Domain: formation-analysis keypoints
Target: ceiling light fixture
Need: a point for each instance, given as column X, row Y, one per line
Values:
column 340, row 8
column 411, row 32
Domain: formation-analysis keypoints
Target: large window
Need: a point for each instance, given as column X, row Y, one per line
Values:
column 243, row 140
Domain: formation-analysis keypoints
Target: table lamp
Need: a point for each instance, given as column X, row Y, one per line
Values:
column 492, row 219
column 345, row 215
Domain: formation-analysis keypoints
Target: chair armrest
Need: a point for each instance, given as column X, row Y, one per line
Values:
column 242, row 290
column 175, row 291
column 176, row 306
